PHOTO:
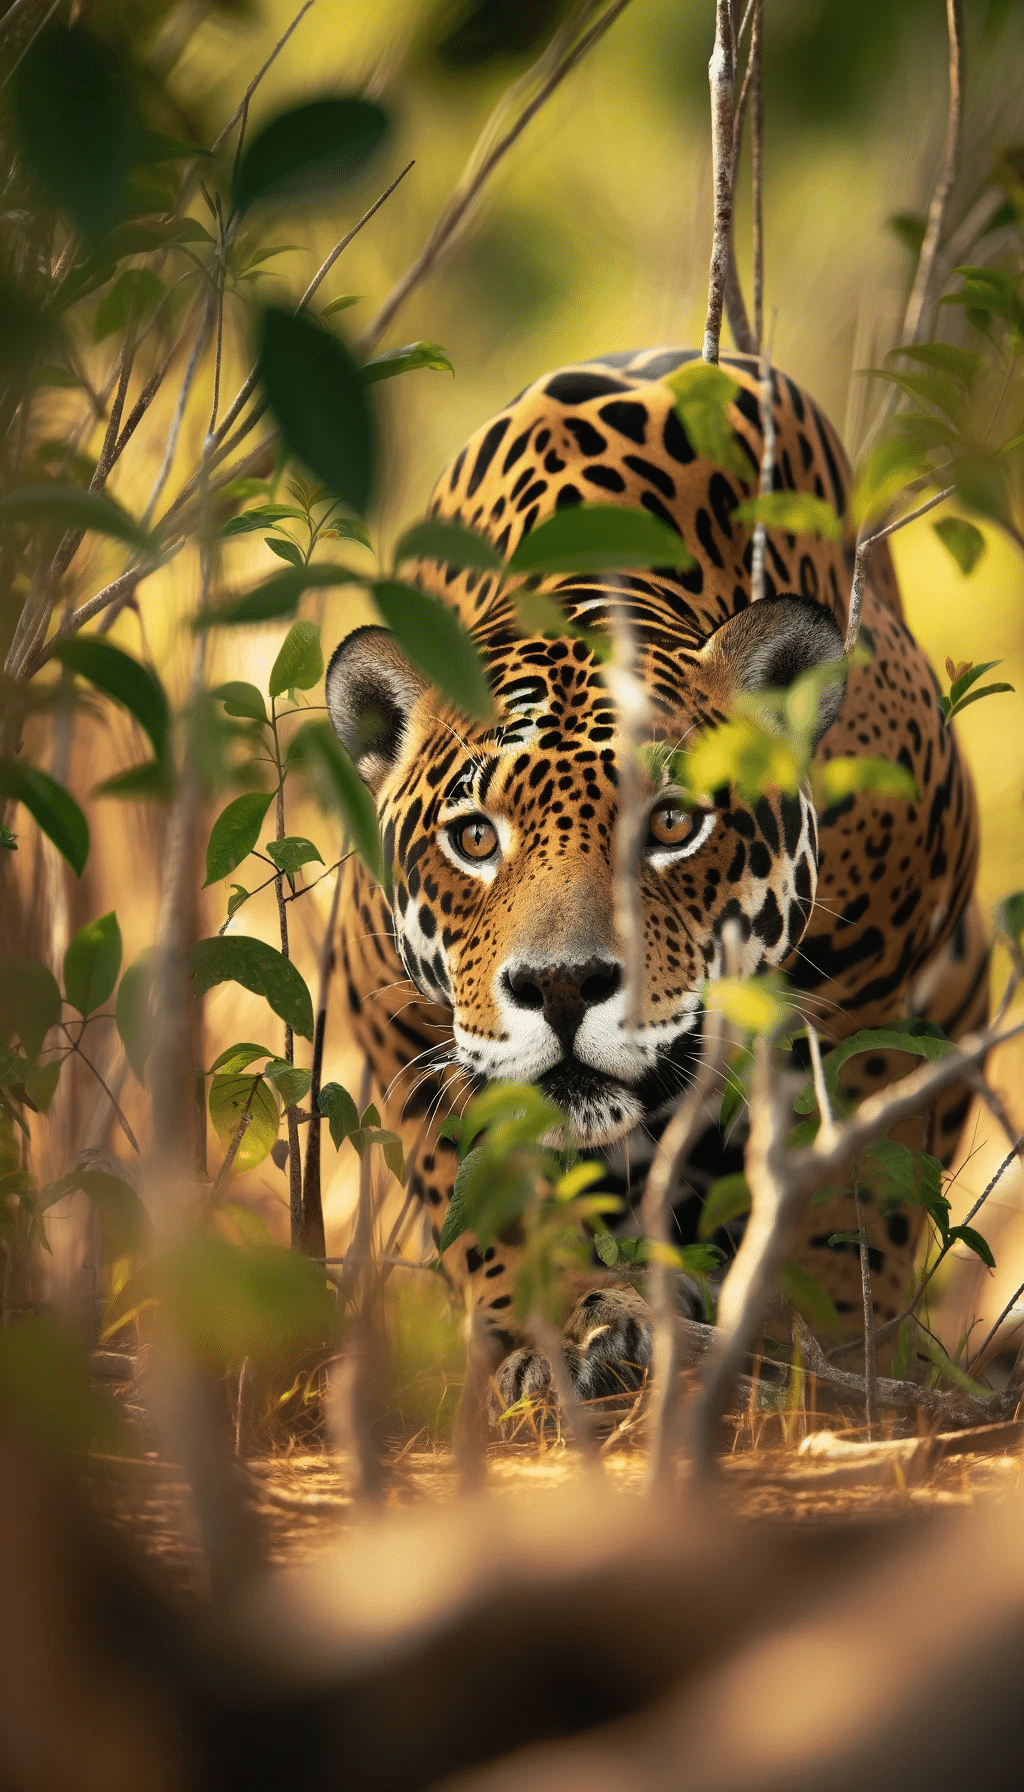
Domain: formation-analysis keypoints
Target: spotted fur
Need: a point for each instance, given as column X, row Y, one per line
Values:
column 512, row 968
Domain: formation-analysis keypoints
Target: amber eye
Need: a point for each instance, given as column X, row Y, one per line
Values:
column 476, row 838
column 672, row 825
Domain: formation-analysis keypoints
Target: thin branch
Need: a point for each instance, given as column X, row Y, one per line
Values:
column 910, row 1310
column 232, row 1151
column 860, row 564
column 870, row 1361
column 977, row 1360
column 921, row 290
column 781, row 1183
column 559, row 59
column 720, row 80
column 243, row 104
column 686, row 1124
column 312, row 1208
column 179, row 412
column 747, row 340
column 756, row 140
column 766, row 405
column 115, row 1104
column 248, row 385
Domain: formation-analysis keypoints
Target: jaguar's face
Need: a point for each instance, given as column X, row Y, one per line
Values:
column 503, row 846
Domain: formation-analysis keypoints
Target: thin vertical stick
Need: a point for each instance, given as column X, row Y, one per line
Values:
column 632, row 714
column 684, row 1127
column 921, row 290
column 720, row 80
column 756, row 137
column 313, row 1241
column 767, row 411
column 870, row 1369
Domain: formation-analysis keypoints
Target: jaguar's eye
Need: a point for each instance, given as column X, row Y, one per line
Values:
column 672, row 825
column 476, row 838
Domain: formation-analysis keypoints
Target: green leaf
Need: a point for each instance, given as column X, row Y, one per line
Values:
column 231, row 1097
column 909, row 227
column 838, row 1238
column 390, row 1143
column 346, row 300
column 262, row 518
column 346, row 528
column 29, row 1002
column 836, row 779
column 310, row 152
column 607, row 1249
column 133, row 1012
column 703, row 395
column 285, row 550
column 225, row 1303
column 91, row 964
column 449, row 543
column 46, row 1392
column 290, row 1082
column 123, row 678
column 961, row 364
column 974, row 1242
column 597, row 538
column 69, row 507
column 892, row 464
column 316, row 746
column 341, row 1111
column 150, row 782
column 241, row 699
column 291, row 853
column 962, row 541
column 300, row 663
column 235, row 833
column 239, row 894
column 236, row 1057
column 318, row 396
column 75, row 120
column 405, row 360
column 276, row 597
column 435, row 640
column 801, row 513
column 1009, row 916
column 124, row 1223
column 726, row 1199
column 41, row 1083
column 745, row 754
column 51, row 807
column 897, row 1037
column 755, row 1004
column 134, row 293
column 237, row 958
column 804, row 1292
column 986, row 690
column 981, row 483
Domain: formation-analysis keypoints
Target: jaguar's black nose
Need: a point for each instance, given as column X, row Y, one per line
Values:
column 564, row 991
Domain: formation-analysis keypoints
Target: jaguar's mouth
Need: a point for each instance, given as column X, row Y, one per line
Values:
column 600, row 1108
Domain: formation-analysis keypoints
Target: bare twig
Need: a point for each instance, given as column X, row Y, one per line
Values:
column 781, row 1182
column 766, row 403
column 312, row 1208
column 561, row 56
column 860, row 565
column 684, row 1127
column 870, row 1368
column 720, row 79
column 119, row 1114
column 232, row 1151
column 243, row 105
column 179, row 412
column 921, row 289
column 910, row 1310
column 632, row 711
column 248, row 385
column 756, row 140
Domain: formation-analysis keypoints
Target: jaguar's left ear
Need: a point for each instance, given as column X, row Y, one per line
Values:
column 769, row 644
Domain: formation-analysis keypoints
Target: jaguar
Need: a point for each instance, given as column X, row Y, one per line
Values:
column 495, row 954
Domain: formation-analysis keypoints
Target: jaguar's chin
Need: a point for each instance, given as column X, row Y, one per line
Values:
column 600, row 1109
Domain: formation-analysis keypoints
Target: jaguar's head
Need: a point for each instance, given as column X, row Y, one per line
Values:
column 500, row 839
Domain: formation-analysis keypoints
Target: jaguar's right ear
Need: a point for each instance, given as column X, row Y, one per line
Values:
column 370, row 689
